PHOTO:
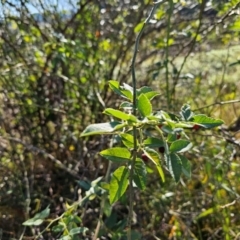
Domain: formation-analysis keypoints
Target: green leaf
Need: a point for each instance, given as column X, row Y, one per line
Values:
column 43, row 214
column 174, row 117
column 235, row 26
column 101, row 128
column 127, row 140
column 167, row 129
column 155, row 158
column 58, row 228
column 116, row 154
column 206, row 122
column 38, row 218
column 139, row 27
column 122, row 91
column 153, row 142
column 127, row 87
column 78, row 230
column 174, row 166
column 115, row 86
column 205, row 213
column 144, row 89
column 180, row 146
column 84, row 185
column 155, row 118
column 144, row 106
column 186, row 166
column 107, row 208
column 150, row 94
column 33, row 222
column 174, row 136
column 126, row 105
column 186, row 112
column 165, row 115
column 119, row 114
column 140, row 174
column 104, row 185
column 118, row 184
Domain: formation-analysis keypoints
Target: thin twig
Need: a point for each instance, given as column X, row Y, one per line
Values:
column 167, row 52
column 134, row 83
column 218, row 103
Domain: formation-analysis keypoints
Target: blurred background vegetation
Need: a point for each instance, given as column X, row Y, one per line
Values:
column 56, row 59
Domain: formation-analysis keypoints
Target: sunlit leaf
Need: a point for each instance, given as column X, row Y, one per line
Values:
column 120, row 90
column 118, row 184
column 33, row 222
column 104, row 185
column 101, row 128
column 180, row 146
column 205, row 213
column 235, row 26
column 38, row 218
column 174, row 165
column 206, row 122
column 144, row 106
column 151, row 95
column 148, row 92
column 127, row 140
column 155, row 158
column 44, row 214
column 119, row 114
column 127, row 87
column 138, row 27
column 116, row 154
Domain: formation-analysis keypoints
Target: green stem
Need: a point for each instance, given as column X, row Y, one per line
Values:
column 134, row 83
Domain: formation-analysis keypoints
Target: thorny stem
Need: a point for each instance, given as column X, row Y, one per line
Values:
column 134, row 83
